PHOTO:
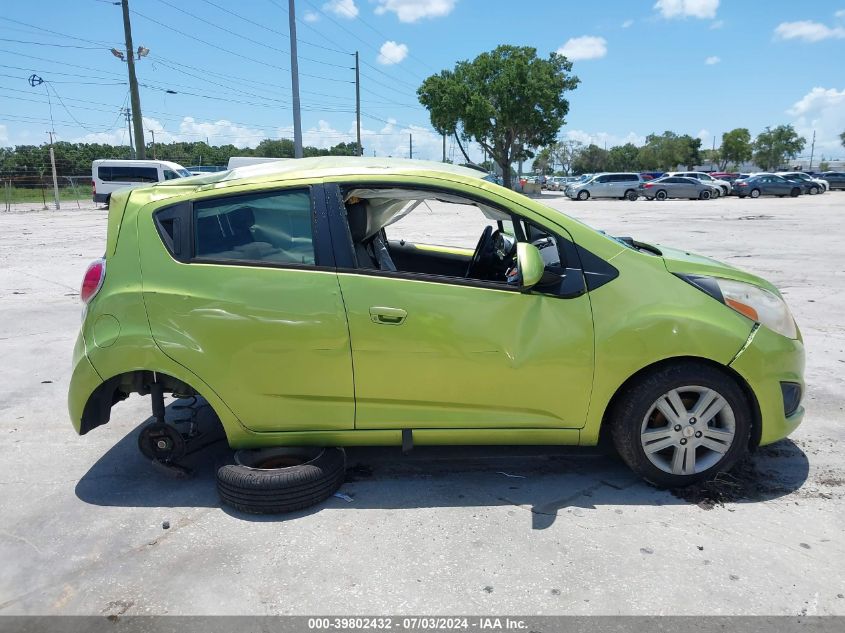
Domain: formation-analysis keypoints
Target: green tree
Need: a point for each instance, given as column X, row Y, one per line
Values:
column 508, row 100
column 842, row 138
column 773, row 146
column 623, row 158
column 590, row 160
column 543, row 160
column 824, row 165
column 668, row 150
column 565, row 153
column 736, row 147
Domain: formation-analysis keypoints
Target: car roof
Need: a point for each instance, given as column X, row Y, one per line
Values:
column 323, row 166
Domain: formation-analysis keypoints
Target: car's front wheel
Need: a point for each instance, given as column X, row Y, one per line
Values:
column 583, row 195
column 681, row 424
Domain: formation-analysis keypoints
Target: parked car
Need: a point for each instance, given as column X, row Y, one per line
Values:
column 107, row 175
column 292, row 301
column 729, row 176
column 812, row 186
column 677, row 187
column 809, row 185
column 615, row 185
column 723, row 185
column 766, row 185
column 836, row 179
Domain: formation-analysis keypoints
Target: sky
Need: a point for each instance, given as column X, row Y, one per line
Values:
column 220, row 70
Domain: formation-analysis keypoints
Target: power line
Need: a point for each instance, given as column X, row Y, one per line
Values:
column 89, row 48
column 59, row 33
column 231, row 52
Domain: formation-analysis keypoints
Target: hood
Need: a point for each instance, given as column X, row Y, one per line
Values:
column 684, row 262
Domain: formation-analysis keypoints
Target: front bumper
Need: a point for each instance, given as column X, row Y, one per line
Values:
column 768, row 360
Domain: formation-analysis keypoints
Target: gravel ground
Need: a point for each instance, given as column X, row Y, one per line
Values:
column 445, row 530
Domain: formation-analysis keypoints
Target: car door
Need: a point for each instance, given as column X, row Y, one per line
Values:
column 240, row 288
column 600, row 187
column 433, row 351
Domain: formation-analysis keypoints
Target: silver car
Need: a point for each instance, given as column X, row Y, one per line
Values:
column 615, row 185
column 723, row 185
column 677, row 187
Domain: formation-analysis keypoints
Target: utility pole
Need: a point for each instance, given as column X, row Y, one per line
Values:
column 53, row 165
column 358, row 105
column 713, row 155
column 128, row 114
column 410, row 145
column 294, row 82
column 153, row 132
column 812, row 151
column 135, row 98
column 444, row 147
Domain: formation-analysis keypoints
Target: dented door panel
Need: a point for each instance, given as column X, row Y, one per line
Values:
column 467, row 356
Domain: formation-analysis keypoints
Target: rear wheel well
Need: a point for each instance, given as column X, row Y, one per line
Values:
column 756, row 419
column 97, row 410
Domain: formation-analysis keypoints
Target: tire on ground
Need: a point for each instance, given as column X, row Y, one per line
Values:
column 634, row 402
column 277, row 480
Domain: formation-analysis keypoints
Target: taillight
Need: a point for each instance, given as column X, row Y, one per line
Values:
column 742, row 184
column 648, row 185
column 93, row 280
column 93, row 186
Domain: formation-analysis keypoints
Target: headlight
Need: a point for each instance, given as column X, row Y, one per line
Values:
column 754, row 302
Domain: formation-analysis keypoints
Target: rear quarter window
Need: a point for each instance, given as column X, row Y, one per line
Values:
column 275, row 228
column 121, row 173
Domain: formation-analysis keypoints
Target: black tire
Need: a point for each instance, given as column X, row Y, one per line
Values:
column 631, row 195
column 583, row 195
column 814, row 191
column 661, row 195
column 754, row 193
column 795, row 192
column 705, row 195
column 716, row 193
column 634, row 403
column 277, row 480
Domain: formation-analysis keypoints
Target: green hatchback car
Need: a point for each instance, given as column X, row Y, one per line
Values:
column 331, row 302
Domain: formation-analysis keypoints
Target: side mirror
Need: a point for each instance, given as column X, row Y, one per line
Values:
column 530, row 265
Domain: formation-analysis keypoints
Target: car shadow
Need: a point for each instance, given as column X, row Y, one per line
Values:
column 547, row 481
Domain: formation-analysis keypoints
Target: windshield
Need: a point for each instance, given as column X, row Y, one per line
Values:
column 184, row 173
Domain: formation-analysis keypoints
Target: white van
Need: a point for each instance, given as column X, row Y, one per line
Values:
column 109, row 175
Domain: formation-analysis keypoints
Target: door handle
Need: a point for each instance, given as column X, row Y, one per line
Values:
column 387, row 316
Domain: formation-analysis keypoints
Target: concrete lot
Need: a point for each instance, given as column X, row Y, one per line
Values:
column 443, row 531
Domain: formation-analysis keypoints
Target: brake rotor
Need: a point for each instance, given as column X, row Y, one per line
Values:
column 162, row 443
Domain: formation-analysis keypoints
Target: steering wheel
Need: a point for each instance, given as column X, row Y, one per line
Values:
column 484, row 247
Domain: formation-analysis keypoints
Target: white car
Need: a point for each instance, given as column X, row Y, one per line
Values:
column 823, row 185
column 723, row 185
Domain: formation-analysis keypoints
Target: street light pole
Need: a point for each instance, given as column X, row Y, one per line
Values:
column 294, row 81
column 137, row 121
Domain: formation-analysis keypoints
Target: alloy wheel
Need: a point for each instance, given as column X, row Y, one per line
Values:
column 688, row 430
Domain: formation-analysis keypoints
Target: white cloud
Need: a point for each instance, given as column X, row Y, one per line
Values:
column 702, row 9
column 391, row 53
column 584, row 47
column 604, row 138
column 821, row 110
column 4, row 135
column 311, row 16
column 342, row 8
column 413, row 10
column 713, row 59
column 840, row 15
column 717, row 24
column 808, row 31
column 627, row 23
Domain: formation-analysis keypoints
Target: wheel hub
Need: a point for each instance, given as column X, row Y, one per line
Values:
column 688, row 430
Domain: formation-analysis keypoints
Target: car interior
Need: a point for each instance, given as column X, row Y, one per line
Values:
column 252, row 228
column 382, row 241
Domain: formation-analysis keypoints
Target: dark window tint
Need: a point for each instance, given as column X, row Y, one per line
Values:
column 127, row 173
column 268, row 227
column 169, row 174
